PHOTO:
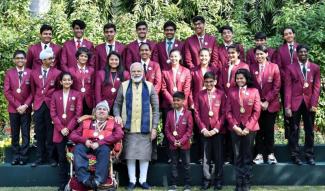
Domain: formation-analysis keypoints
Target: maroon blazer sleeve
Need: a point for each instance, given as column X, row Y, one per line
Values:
column 73, row 122
column 29, row 58
column 168, row 128
column 197, row 103
column 164, row 91
column 7, row 92
column 242, row 53
column 229, row 113
column 253, row 119
column 274, row 93
column 157, row 82
column 316, row 88
column 64, row 58
column 188, row 56
column 189, row 129
column 154, row 56
column 222, row 116
column 55, row 118
column 98, row 88
column 116, row 136
column 287, row 89
column 76, row 135
column 215, row 61
column 91, row 61
column 187, row 87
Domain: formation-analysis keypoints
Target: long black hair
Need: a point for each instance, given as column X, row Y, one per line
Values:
column 120, row 68
column 247, row 75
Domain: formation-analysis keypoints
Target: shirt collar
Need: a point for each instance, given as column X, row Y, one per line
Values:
column 244, row 87
column 76, row 40
column 179, row 112
column 147, row 62
column 139, row 41
column 43, row 44
column 170, row 40
column 113, row 44
column 18, row 70
column 227, row 45
column 47, row 69
column 292, row 43
column 198, row 37
column 80, row 68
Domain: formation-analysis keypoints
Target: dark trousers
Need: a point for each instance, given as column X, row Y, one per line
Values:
column 81, row 162
column 243, row 153
column 63, row 163
column 286, row 120
column 228, row 149
column 185, row 156
column 213, row 150
column 20, row 123
column 265, row 136
column 308, row 119
column 85, row 109
column 44, row 133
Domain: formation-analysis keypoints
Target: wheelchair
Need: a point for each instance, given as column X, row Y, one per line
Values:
column 112, row 181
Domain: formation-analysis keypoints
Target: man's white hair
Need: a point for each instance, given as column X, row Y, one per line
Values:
column 136, row 64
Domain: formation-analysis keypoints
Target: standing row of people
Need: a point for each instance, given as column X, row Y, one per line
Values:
column 230, row 99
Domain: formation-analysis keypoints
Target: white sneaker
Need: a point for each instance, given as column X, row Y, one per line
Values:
column 271, row 159
column 258, row 159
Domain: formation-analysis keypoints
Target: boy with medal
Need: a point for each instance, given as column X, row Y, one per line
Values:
column 302, row 90
column 178, row 130
column 17, row 91
column 209, row 115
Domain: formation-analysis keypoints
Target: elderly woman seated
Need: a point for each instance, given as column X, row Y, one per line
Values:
column 97, row 136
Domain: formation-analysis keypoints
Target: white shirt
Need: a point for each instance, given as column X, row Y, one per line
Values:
column 166, row 43
column 107, row 47
column 65, row 100
column 139, row 41
column 178, row 114
column 147, row 64
column 76, row 41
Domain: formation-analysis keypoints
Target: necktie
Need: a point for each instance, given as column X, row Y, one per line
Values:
column 44, row 74
column 304, row 70
column 291, row 50
column 145, row 68
column 201, row 41
column 78, row 44
column 20, row 73
column 110, row 48
column 45, row 46
column 169, row 47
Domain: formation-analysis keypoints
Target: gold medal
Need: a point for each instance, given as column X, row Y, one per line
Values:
column 228, row 85
column 64, row 116
column 18, row 90
column 210, row 113
column 306, row 85
column 83, row 89
column 175, row 133
column 95, row 134
column 101, row 137
column 175, row 89
column 242, row 110
column 113, row 90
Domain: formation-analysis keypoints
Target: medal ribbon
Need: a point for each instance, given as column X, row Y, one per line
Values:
column 113, row 79
column 241, row 96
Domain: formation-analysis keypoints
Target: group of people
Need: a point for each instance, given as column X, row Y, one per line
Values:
column 213, row 92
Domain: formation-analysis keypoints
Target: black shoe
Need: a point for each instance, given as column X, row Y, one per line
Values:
column 218, row 186
column 131, row 186
column 311, row 161
column 15, row 162
column 37, row 162
column 297, row 161
column 145, row 186
column 53, row 163
column 205, row 186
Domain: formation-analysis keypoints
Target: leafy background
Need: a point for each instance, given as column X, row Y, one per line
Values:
column 18, row 28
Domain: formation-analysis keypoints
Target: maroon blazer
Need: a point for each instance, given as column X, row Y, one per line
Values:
column 68, row 56
column 223, row 54
column 282, row 58
column 117, row 135
column 154, row 75
column 51, row 84
column 160, row 54
column 89, row 82
column 252, row 106
column 101, row 54
column 10, row 87
column 103, row 91
column 73, row 112
column 183, row 83
column 132, row 53
column 33, row 60
column 192, row 48
column 201, row 110
column 250, row 56
column 184, row 129
column 223, row 80
column 271, row 83
column 295, row 92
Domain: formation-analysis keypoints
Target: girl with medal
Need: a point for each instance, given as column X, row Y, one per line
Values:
column 209, row 117
column 108, row 81
column 243, row 110
column 267, row 80
column 178, row 130
column 83, row 78
column 177, row 78
column 66, row 108
column 17, row 90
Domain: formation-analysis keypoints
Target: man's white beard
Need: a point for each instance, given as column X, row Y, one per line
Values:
column 137, row 79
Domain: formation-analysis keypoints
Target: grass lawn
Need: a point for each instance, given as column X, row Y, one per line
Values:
column 226, row 188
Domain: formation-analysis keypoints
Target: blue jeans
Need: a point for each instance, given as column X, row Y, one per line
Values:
column 81, row 160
